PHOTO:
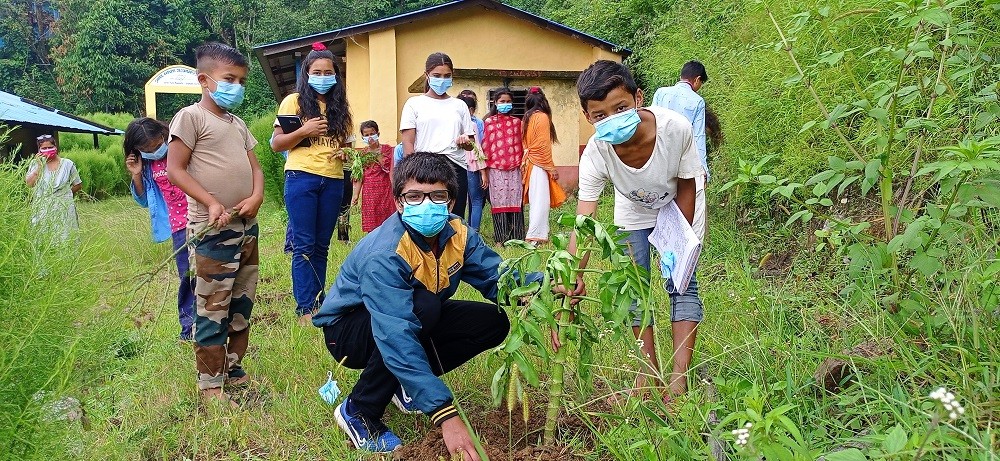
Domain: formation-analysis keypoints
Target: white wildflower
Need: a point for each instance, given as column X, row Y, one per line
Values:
column 742, row 435
column 949, row 402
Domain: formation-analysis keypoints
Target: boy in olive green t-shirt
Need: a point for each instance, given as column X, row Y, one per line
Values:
column 211, row 159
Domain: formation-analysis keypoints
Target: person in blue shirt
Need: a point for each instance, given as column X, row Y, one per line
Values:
column 390, row 311
column 397, row 154
column 683, row 98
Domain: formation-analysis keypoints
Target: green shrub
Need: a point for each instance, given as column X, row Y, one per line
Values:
column 72, row 141
column 271, row 162
column 102, row 171
column 41, row 290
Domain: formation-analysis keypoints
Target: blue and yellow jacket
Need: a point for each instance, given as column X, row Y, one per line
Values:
column 381, row 273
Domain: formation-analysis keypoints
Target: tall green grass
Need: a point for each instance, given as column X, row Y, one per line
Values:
column 43, row 292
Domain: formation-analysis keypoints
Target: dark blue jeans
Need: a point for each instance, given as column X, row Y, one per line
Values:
column 312, row 202
column 683, row 307
column 477, row 199
column 185, row 293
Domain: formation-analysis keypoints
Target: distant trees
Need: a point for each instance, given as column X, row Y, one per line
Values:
column 95, row 55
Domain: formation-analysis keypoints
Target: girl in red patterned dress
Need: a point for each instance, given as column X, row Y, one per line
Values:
column 504, row 151
column 375, row 187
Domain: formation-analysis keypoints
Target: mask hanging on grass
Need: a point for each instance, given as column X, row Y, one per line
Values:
column 329, row 391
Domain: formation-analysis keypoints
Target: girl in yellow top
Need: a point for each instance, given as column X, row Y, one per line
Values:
column 314, row 173
column 541, row 191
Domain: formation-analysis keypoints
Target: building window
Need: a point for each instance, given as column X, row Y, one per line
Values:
column 519, row 94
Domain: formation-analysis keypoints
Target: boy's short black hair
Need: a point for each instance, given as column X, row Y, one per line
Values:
column 600, row 78
column 212, row 53
column 692, row 70
column 369, row 124
column 425, row 168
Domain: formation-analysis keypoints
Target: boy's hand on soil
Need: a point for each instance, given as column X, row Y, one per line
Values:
column 249, row 206
column 457, row 439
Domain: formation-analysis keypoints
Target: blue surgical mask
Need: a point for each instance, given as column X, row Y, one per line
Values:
column 440, row 85
column 370, row 139
column 329, row 391
column 156, row 154
column 505, row 107
column 227, row 95
column 667, row 262
column 428, row 218
column 322, row 83
column 618, row 128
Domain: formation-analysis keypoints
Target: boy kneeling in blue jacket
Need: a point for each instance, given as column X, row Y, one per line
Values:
column 390, row 313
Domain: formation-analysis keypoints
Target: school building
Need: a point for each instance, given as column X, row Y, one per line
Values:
column 30, row 119
column 492, row 45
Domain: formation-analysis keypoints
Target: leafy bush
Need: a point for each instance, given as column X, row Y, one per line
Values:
column 40, row 289
column 71, row 141
column 102, row 171
column 273, row 163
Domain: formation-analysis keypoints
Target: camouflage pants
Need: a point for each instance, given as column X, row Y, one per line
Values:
column 226, row 266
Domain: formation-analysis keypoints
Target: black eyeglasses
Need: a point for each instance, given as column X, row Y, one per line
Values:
column 415, row 197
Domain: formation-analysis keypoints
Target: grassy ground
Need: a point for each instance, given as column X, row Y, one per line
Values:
column 136, row 381
column 761, row 341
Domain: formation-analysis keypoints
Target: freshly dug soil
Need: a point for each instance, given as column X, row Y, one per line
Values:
column 505, row 437
column 833, row 374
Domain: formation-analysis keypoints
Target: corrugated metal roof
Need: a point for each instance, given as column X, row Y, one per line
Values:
column 18, row 110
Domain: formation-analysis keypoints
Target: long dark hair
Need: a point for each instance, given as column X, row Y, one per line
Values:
column 496, row 97
column 713, row 128
column 142, row 130
column 536, row 102
column 434, row 60
column 338, row 111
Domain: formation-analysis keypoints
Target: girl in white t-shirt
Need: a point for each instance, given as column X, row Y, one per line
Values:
column 437, row 123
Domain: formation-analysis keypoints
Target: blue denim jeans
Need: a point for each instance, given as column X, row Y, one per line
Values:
column 313, row 202
column 687, row 306
column 185, row 293
column 477, row 199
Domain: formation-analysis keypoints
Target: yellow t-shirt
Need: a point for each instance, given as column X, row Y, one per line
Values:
column 314, row 159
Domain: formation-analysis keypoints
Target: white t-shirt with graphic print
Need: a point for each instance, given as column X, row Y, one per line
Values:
column 650, row 187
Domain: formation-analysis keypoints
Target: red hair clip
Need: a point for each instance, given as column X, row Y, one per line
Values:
column 318, row 46
column 535, row 90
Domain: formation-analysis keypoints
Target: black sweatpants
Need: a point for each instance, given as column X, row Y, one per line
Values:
column 462, row 197
column 457, row 330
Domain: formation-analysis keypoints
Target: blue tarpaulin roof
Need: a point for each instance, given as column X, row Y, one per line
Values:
column 16, row 110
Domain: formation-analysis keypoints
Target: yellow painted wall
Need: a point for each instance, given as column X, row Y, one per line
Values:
column 475, row 38
column 359, row 81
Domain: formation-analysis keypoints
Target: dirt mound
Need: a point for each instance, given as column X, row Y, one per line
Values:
column 505, row 437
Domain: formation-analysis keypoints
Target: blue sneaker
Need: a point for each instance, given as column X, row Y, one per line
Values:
column 372, row 436
column 404, row 402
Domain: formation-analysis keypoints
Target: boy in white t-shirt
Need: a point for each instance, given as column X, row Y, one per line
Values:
column 648, row 155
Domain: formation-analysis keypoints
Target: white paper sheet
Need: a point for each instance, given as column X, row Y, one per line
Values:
column 674, row 237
